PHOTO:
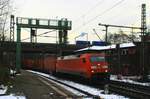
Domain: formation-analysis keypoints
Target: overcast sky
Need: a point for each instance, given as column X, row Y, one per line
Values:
column 84, row 14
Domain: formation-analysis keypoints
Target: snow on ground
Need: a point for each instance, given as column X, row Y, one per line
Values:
column 12, row 72
column 114, row 77
column 68, row 88
column 93, row 91
column 3, row 90
column 12, row 97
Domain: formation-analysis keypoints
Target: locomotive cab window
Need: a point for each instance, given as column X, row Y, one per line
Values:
column 97, row 59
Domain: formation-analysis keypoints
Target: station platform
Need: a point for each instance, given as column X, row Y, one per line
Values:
column 33, row 86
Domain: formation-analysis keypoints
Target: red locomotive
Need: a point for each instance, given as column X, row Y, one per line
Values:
column 86, row 65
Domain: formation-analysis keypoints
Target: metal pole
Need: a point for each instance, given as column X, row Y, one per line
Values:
column 56, row 38
column 106, row 34
column 87, row 40
column 97, row 35
column 60, row 43
column 18, row 51
column 143, row 34
column 119, row 59
column 12, row 23
column 119, row 26
column 75, row 39
column 60, row 37
column 31, row 35
column 65, row 32
column 108, row 25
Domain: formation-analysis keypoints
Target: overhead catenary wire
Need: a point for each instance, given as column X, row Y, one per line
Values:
column 101, row 14
column 49, row 36
column 40, row 35
column 131, row 12
column 107, row 10
column 90, row 10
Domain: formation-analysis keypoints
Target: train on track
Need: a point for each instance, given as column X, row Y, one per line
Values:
column 125, row 59
column 88, row 65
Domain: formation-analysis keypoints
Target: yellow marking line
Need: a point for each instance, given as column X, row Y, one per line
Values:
column 56, row 89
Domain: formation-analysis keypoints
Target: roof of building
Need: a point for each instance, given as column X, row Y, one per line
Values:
column 123, row 45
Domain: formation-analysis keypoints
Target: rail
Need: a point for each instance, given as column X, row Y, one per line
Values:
column 131, row 90
column 87, row 94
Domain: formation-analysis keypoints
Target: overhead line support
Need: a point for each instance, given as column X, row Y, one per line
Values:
column 108, row 25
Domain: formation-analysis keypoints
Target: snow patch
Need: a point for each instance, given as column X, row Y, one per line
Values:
column 123, row 45
column 93, row 91
column 12, row 97
column 114, row 77
column 3, row 89
column 12, row 72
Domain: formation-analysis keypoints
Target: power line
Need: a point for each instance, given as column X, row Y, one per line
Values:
column 101, row 14
column 131, row 12
column 39, row 35
column 90, row 10
column 49, row 36
column 107, row 10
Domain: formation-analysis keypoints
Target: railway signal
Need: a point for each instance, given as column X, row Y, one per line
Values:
column 62, row 25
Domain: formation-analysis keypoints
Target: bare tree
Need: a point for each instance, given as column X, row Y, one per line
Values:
column 121, row 37
column 5, row 11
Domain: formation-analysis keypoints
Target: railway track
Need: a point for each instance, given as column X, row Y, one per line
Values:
column 86, row 94
column 131, row 90
column 125, row 89
column 120, row 88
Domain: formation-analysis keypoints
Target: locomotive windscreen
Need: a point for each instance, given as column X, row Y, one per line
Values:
column 97, row 59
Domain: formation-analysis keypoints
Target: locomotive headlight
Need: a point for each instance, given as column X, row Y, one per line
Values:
column 93, row 67
column 106, row 70
column 105, row 66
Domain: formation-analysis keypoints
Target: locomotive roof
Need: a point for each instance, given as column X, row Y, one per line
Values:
column 123, row 45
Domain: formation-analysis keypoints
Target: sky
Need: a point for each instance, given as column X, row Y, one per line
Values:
column 84, row 14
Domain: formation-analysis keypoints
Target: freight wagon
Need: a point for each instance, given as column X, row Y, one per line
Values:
column 39, row 62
